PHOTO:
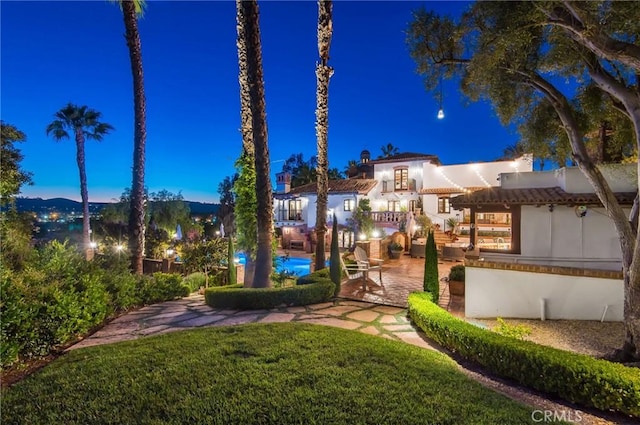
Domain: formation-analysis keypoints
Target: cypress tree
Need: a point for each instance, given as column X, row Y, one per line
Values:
column 231, row 272
column 334, row 264
column 431, row 282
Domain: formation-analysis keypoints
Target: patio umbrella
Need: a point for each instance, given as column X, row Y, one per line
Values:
column 178, row 233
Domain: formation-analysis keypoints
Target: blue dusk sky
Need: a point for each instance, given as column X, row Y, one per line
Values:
column 57, row 52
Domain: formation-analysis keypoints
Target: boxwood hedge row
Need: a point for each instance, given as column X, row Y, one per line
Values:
column 574, row 377
column 311, row 289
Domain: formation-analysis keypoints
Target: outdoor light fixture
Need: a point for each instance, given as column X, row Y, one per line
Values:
column 363, row 236
column 119, row 247
column 93, row 245
column 375, row 234
column 441, row 110
column 169, row 252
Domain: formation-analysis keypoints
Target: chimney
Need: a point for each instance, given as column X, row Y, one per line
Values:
column 283, row 182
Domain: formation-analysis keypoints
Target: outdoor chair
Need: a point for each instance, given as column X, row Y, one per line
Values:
column 369, row 263
column 355, row 271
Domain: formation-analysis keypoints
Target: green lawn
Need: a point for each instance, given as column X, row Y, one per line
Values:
column 289, row 373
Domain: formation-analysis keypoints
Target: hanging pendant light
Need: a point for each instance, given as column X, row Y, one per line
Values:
column 441, row 110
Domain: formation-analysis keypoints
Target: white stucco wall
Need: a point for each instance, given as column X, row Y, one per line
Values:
column 384, row 172
column 335, row 204
column 460, row 176
column 517, row 294
column 621, row 178
column 563, row 236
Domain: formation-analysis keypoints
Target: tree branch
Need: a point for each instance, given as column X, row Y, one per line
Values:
column 604, row 46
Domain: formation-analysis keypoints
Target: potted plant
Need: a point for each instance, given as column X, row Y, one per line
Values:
column 456, row 280
column 395, row 250
column 453, row 223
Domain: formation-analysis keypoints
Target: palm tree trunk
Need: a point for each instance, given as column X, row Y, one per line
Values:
column 136, row 216
column 245, row 88
column 263, row 267
column 84, row 194
column 323, row 74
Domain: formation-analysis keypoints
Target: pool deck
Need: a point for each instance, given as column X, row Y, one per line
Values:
column 399, row 278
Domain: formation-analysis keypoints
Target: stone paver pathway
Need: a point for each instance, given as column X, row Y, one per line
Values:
column 192, row 312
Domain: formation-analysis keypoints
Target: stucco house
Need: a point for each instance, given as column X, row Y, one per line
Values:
column 395, row 186
column 295, row 209
column 547, row 248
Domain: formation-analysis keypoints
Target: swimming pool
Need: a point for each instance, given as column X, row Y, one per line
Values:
column 293, row 265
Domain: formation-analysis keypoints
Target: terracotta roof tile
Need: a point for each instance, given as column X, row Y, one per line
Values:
column 532, row 196
column 360, row 186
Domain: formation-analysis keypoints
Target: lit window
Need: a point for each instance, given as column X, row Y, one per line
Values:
column 295, row 209
column 349, row 204
column 393, row 206
column 443, row 205
column 401, row 179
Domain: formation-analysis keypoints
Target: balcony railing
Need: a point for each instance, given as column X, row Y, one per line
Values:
column 389, row 186
column 388, row 216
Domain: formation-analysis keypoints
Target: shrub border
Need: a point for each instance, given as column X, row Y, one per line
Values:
column 574, row 377
column 311, row 289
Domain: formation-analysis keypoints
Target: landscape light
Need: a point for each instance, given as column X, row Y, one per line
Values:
column 93, row 245
column 363, row 236
column 375, row 234
column 119, row 247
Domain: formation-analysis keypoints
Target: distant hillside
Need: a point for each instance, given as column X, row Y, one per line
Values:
column 202, row 207
column 39, row 205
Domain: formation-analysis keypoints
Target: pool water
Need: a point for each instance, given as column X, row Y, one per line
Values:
column 292, row 265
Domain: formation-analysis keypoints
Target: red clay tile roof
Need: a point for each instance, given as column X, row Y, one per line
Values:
column 532, row 196
column 448, row 190
column 360, row 186
column 407, row 156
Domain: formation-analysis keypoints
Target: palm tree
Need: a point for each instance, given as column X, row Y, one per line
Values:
column 513, row 151
column 131, row 9
column 388, row 151
column 84, row 123
column 251, row 72
column 323, row 74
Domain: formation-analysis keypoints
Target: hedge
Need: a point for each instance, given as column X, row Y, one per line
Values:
column 574, row 377
column 60, row 296
column 315, row 288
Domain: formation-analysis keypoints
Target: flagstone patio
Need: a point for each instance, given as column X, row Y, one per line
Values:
column 399, row 278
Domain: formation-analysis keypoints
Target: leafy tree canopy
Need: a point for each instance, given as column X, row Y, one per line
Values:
column 304, row 172
column 12, row 176
column 580, row 60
